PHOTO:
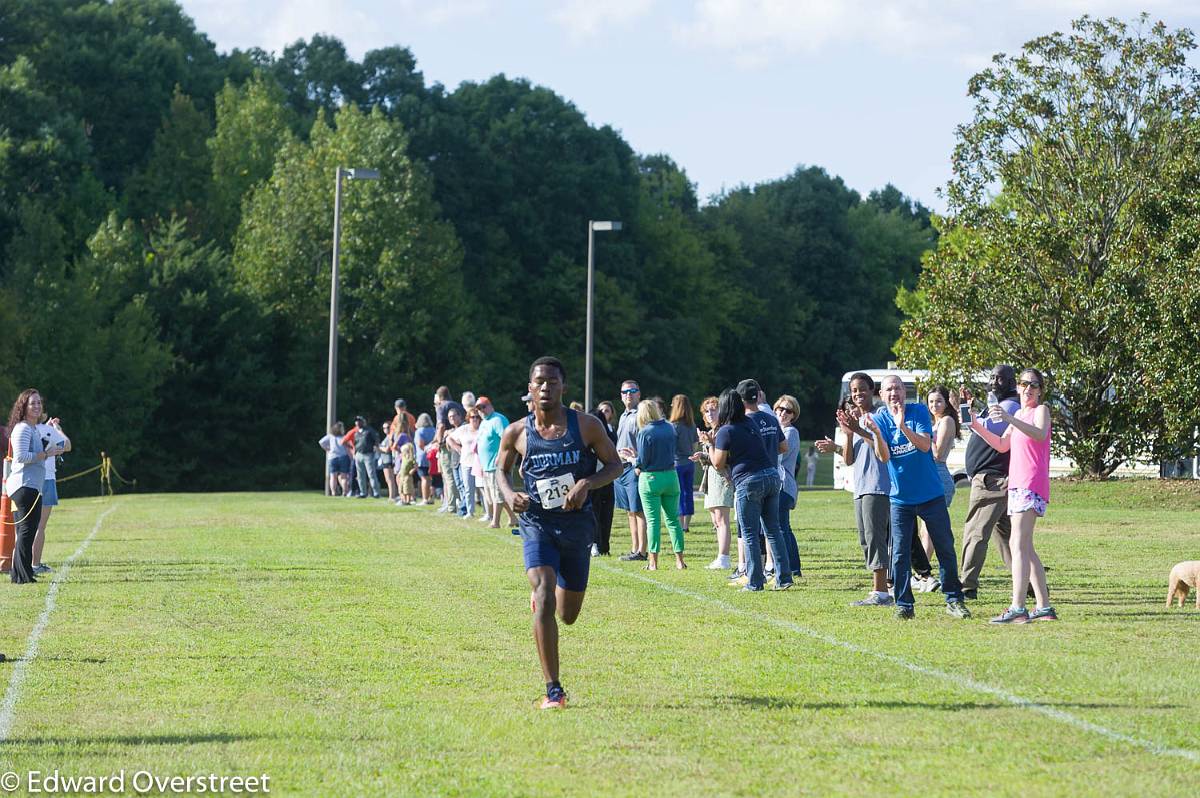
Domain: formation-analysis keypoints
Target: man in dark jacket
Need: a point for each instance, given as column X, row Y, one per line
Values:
column 987, row 508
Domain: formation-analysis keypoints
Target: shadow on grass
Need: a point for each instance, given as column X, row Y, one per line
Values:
column 774, row 702
column 141, row 739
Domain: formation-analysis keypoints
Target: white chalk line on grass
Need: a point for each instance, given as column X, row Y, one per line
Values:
column 21, row 667
column 962, row 682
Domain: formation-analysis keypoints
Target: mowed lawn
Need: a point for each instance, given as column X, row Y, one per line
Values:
column 348, row 647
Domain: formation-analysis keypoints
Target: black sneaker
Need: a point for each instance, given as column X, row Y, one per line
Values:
column 970, row 593
column 629, row 556
column 905, row 613
column 641, row 556
column 737, row 573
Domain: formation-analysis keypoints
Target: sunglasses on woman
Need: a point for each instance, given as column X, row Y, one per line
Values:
column 783, row 410
column 1028, row 384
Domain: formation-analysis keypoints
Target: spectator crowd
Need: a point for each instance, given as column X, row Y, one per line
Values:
column 745, row 453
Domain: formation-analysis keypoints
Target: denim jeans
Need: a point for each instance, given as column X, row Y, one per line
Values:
column 468, row 483
column 904, row 529
column 367, row 470
column 786, row 504
column 757, row 500
column 460, row 491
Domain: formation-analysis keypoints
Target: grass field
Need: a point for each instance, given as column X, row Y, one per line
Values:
column 348, row 647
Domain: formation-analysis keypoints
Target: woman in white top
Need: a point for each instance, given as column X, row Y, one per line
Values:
column 27, row 478
column 337, row 460
column 465, row 440
column 48, row 430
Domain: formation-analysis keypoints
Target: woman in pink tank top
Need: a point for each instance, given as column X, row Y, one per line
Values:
column 1027, row 440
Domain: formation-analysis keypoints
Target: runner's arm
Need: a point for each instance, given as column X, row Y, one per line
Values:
column 595, row 436
column 512, row 443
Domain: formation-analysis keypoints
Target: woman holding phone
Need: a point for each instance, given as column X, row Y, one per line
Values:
column 27, row 479
column 717, row 490
column 1027, row 440
column 48, row 431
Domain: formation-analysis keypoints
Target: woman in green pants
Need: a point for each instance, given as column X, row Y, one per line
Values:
column 658, row 482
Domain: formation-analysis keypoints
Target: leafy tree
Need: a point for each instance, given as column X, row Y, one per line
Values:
column 678, row 307
column 817, row 276
column 318, row 75
column 519, row 172
column 224, row 363
column 175, row 180
column 44, row 156
column 92, row 351
column 253, row 125
column 115, row 66
column 392, row 80
column 400, row 266
column 1083, row 134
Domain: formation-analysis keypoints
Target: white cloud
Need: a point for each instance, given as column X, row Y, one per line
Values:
column 758, row 32
column 585, row 18
column 361, row 25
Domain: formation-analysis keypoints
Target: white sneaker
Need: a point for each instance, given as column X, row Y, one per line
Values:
column 719, row 564
column 926, row 585
column 595, row 550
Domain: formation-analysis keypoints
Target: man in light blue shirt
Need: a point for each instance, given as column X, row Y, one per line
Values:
column 626, row 485
column 491, row 430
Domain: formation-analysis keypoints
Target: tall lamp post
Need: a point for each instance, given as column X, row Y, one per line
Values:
column 331, row 387
column 593, row 227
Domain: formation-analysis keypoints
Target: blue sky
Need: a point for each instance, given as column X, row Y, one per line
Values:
column 736, row 91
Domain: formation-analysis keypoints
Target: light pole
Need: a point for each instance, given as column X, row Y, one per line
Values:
column 593, row 227
column 331, row 387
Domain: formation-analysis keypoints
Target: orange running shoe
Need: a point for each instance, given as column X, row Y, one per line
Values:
column 555, row 699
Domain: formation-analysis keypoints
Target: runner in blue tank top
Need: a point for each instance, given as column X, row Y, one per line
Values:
column 559, row 448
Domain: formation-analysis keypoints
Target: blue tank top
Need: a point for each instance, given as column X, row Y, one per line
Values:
column 552, row 458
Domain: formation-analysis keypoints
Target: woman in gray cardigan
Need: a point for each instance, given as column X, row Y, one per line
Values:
column 25, row 481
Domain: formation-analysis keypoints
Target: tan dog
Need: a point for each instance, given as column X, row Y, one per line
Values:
column 1183, row 576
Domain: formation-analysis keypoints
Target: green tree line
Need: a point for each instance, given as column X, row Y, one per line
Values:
column 1073, row 244
column 166, row 236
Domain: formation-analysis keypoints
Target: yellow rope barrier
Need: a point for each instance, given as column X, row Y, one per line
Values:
column 106, row 469
column 96, row 467
column 118, row 473
column 36, row 506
